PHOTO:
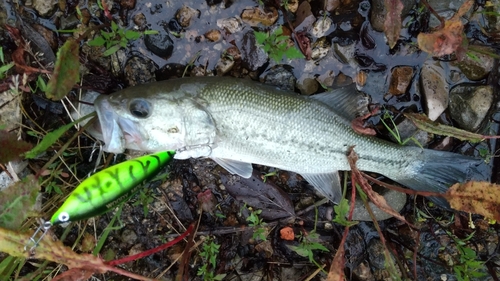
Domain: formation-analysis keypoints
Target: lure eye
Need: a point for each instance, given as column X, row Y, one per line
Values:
column 63, row 217
column 139, row 108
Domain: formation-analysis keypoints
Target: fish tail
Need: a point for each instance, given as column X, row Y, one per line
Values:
column 436, row 171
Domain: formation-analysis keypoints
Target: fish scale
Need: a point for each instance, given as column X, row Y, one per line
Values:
column 237, row 122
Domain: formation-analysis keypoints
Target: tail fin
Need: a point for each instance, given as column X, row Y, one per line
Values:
column 436, row 171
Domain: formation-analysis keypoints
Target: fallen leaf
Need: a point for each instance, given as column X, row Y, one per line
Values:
column 207, row 201
column 66, row 71
column 377, row 199
column 265, row 196
column 80, row 265
column 18, row 54
column 476, row 197
column 358, row 124
column 425, row 124
column 17, row 201
column 336, row 272
column 449, row 38
column 304, row 44
column 12, row 148
column 392, row 23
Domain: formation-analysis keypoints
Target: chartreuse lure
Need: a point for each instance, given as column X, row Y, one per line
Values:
column 103, row 191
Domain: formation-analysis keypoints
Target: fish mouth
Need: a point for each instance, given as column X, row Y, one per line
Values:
column 117, row 133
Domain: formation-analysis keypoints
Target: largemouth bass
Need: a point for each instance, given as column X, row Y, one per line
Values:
column 237, row 122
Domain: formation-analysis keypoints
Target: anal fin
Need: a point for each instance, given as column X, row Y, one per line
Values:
column 327, row 184
column 242, row 169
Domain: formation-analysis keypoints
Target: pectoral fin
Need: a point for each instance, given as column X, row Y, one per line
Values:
column 242, row 169
column 326, row 184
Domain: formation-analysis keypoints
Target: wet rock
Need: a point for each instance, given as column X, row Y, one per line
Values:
column 479, row 67
column 198, row 71
column 185, row 15
column 213, row 35
column 401, row 77
column 118, row 60
column 280, row 76
column 434, row 89
column 44, row 7
column 160, row 44
column 492, row 16
column 377, row 260
column 395, row 199
column 224, row 65
column 255, row 16
column 127, row 4
column 326, row 79
column 170, row 70
column 140, row 20
column 174, row 26
column 129, row 237
column 139, row 70
column 331, row 5
column 69, row 22
column 231, row 25
column 291, row 5
column 322, row 26
column 361, row 78
column 213, row 2
column 470, row 104
column 252, row 55
column 379, row 12
column 407, row 130
column 445, row 9
column 307, row 85
column 320, row 49
column 304, row 17
column 345, row 53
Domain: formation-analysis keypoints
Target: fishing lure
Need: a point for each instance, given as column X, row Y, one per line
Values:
column 103, row 191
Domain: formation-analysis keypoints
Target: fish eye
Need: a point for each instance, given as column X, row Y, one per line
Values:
column 139, row 108
column 63, row 217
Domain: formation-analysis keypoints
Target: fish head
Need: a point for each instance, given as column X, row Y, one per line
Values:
column 139, row 122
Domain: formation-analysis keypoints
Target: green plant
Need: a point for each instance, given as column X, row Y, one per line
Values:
column 308, row 243
column 116, row 39
column 4, row 67
column 395, row 132
column 40, row 85
column 271, row 174
column 209, row 255
column 276, row 45
column 467, row 267
column 341, row 211
column 145, row 198
column 258, row 224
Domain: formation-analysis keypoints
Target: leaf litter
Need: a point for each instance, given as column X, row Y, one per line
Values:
column 265, row 196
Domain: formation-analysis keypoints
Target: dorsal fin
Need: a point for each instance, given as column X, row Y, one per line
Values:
column 346, row 101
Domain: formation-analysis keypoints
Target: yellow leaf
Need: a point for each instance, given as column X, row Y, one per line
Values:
column 476, row 197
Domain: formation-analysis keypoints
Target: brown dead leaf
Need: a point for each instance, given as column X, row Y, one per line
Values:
column 13, row 243
column 392, row 23
column 376, row 198
column 476, row 197
column 449, row 38
column 358, row 124
column 12, row 147
column 336, row 272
